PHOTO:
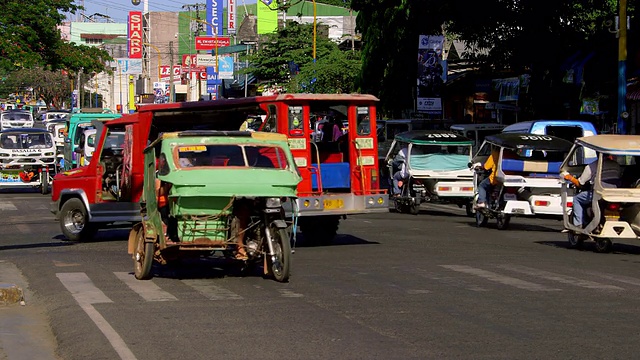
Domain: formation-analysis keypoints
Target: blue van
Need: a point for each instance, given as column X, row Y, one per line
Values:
column 569, row 130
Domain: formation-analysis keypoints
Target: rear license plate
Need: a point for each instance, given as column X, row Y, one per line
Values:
column 517, row 211
column 333, row 204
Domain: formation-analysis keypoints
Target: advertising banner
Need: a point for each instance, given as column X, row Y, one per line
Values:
column 161, row 92
column 212, row 80
column 134, row 35
column 225, row 67
column 165, row 73
column 214, row 17
column 432, row 74
column 267, row 16
column 129, row 66
column 231, row 17
column 508, row 89
column 210, row 43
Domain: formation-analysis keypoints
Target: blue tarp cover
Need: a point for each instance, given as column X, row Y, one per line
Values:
column 438, row 162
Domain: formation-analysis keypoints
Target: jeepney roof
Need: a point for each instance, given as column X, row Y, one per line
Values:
column 529, row 141
column 629, row 144
column 230, row 136
column 432, row 137
column 222, row 103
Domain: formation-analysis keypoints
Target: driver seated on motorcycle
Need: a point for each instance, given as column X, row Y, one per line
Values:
column 490, row 181
column 610, row 178
column 400, row 176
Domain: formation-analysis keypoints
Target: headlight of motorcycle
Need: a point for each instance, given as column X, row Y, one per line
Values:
column 274, row 202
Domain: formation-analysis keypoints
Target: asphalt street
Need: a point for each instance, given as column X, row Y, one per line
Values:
column 392, row 286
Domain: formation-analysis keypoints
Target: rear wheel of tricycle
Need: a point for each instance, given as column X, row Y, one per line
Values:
column 142, row 257
column 575, row 240
column 414, row 209
column 280, row 266
column 469, row 209
column 74, row 221
column 503, row 222
column 481, row 219
column 603, row 245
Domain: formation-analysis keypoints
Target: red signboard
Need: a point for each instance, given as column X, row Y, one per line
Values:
column 189, row 64
column 210, row 43
column 165, row 73
column 178, row 70
column 134, row 33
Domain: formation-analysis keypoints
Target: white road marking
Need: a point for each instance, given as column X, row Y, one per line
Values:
column 619, row 278
column 7, row 206
column 502, row 279
column 289, row 293
column 87, row 294
column 418, row 291
column 448, row 280
column 563, row 279
column 211, row 291
column 146, row 289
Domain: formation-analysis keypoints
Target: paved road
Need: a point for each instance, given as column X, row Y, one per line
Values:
column 393, row 286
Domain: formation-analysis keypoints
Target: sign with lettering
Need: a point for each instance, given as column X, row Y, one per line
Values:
column 231, row 17
column 214, row 17
column 210, row 43
column 134, row 35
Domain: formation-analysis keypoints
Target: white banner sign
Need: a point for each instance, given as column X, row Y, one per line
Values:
column 129, row 66
column 430, row 105
column 225, row 64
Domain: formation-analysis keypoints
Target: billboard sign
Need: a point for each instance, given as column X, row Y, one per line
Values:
column 431, row 74
column 214, row 17
column 129, row 66
column 225, row 64
column 134, row 35
column 210, row 43
column 165, row 73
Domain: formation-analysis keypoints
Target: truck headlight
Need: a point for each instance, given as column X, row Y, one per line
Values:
column 274, row 202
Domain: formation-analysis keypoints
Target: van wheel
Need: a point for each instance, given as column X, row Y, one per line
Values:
column 604, row 245
column 74, row 221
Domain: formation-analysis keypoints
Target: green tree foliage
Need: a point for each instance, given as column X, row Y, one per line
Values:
column 292, row 46
column 53, row 86
column 333, row 74
column 29, row 37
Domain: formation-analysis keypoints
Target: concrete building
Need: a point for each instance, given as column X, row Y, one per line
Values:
column 94, row 34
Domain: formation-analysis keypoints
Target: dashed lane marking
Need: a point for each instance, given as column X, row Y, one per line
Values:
column 289, row 293
column 563, row 279
column 146, row 289
column 7, row 206
column 211, row 291
column 502, row 279
column 87, row 294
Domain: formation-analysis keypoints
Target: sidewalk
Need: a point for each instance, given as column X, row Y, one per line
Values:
column 24, row 329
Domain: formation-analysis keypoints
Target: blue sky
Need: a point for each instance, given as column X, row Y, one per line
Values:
column 118, row 9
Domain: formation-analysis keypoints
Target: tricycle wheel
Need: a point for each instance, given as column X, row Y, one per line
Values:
column 414, row 209
column 503, row 222
column 603, row 245
column 74, row 221
column 142, row 257
column 575, row 240
column 44, row 183
column 481, row 219
column 279, row 267
column 469, row 209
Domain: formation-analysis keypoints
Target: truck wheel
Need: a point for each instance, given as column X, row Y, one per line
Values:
column 74, row 221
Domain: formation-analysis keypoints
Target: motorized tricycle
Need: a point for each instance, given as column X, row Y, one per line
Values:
column 527, row 168
column 27, row 159
column 211, row 192
column 432, row 166
column 614, row 211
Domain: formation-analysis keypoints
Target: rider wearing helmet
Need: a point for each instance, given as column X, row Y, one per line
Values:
column 490, row 181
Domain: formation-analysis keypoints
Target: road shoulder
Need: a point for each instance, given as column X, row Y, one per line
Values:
column 25, row 332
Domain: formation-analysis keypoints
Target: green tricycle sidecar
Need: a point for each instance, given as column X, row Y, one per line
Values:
column 208, row 191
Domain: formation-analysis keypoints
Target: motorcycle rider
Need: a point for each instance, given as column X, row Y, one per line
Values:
column 399, row 161
column 609, row 177
column 486, row 185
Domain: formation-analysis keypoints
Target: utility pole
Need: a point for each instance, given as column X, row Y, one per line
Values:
column 197, row 8
column 622, row 68
column 171, row 86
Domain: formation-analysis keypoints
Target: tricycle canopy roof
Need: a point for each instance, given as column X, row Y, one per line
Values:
column 529, row 141
column 224, row 136
column 432, row 137
column 628, row 144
